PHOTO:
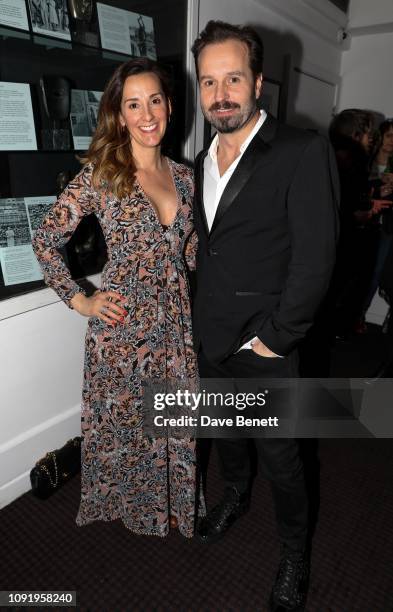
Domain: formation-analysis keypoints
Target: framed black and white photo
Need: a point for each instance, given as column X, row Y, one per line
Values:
column 141, row 31
column 126, row 32
column 83, row 116
column 50, row 17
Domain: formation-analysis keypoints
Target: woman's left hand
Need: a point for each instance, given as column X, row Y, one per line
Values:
column 106, row 305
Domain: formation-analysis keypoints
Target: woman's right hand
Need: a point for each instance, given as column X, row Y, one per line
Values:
column 106, row 305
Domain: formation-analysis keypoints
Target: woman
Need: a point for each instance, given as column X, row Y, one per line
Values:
column 139, row 322
column 381, row 168
column 350, row 133
column 382, row 184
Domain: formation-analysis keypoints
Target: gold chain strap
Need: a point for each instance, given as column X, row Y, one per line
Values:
column 52, row 455
column 47, row 472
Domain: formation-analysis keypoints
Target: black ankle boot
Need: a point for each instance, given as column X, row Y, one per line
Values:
column 290, row 589
column 217, row 522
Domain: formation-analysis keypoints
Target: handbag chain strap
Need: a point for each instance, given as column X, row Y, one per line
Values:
column 52, row 455
column 47, row 472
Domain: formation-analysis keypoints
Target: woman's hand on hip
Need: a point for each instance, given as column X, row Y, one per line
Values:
column 106, row 305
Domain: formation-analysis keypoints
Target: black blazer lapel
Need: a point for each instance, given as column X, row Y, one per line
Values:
column 199, row 188
column 250, row 159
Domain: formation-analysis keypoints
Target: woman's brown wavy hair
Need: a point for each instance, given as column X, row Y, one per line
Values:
column 110, row 149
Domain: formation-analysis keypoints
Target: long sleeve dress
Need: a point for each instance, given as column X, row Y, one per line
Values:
column 126, row 475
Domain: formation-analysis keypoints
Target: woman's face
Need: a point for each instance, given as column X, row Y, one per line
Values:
column 387, row 141
column 144, row 110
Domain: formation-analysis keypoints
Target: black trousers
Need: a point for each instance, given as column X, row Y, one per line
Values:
column 278, row 457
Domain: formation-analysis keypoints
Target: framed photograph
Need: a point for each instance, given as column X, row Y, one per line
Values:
column 50, row 17
column 126, row 32
column 141, row 31
column 83, row 116
column 19, row 218
column 270, row 98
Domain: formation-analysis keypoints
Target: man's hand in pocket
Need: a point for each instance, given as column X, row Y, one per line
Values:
column 260, row 349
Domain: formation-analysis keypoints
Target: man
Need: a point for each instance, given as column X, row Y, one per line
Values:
column 265, row 214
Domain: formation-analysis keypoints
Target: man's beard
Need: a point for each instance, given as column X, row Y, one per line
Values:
column 227, row 125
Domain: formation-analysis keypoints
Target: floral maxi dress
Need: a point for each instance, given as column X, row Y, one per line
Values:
column 125, row 474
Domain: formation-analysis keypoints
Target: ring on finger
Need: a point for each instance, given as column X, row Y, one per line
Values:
column 103, row 309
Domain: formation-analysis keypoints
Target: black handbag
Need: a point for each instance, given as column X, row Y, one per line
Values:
column 56, row 468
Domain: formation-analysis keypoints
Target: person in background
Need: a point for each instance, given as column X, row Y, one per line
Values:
column 381, row 181
column 350, row 134
column 382, row 162
column 139, row 321
column 385, row 368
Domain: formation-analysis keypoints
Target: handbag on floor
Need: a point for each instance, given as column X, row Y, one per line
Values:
column 56, row 468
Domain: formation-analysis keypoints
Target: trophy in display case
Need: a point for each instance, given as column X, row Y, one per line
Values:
column 81, row 13
column 56, row 91
column 62, row 180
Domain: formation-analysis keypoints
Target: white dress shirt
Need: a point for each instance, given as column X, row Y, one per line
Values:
column 214, row 184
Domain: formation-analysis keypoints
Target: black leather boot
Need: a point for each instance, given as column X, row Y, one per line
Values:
column 290, row 589
column 217, row 522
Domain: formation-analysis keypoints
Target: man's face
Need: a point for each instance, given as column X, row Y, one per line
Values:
column 227, row 86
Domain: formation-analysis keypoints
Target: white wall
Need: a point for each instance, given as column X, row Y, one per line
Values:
column 365, row 12
column 367, row 77
column 41, row 364
column 366, row 70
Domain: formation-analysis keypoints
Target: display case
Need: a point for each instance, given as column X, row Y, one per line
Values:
column 55, row 59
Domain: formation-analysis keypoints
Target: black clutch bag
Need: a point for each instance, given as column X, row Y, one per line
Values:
column 56, row 468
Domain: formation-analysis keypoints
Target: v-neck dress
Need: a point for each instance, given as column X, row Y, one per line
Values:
column 126, row 475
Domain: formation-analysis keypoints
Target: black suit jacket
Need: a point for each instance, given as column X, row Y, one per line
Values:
column 265, row 266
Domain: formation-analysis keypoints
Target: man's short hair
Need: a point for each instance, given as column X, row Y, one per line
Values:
column 220, row 31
